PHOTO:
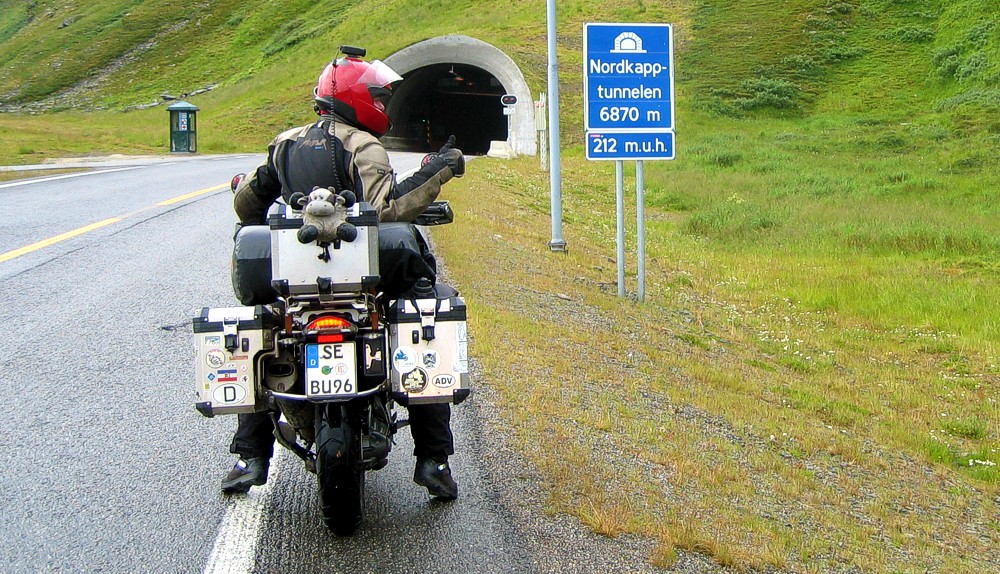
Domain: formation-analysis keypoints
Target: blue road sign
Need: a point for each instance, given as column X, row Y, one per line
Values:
column 628, row 77
column 626, row 145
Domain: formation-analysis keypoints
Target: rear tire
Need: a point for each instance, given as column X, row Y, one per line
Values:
column 338, row 467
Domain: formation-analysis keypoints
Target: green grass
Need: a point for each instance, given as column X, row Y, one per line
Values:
column 812, row 382
column 923, row 237
column 734, row 398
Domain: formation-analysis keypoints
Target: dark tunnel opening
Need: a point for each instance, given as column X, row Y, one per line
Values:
column 436, row 101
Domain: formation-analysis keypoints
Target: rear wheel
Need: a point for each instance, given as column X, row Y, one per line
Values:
column 338, row 467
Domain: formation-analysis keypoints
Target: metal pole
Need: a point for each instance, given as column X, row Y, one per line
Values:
column 641, row 234
column 620, row 199
column 555, row 174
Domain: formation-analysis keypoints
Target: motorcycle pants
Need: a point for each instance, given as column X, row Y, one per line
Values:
column 430, row 426
column 254, row 436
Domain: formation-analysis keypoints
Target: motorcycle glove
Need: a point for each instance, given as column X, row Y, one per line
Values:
column 455, row 160
column 450, row 144
column 451, row 155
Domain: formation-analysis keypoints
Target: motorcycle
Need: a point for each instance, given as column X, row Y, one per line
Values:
column 341, row 322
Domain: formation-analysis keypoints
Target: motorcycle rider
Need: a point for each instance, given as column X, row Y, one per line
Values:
column 341, row 150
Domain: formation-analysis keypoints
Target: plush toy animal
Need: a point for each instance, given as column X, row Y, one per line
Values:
column 324, row 216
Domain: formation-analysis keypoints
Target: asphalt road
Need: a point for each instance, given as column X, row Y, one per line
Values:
column 107, row 467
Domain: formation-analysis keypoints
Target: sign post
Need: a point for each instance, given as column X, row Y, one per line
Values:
column 628, row 84
column 508, row 101
column 557, row 243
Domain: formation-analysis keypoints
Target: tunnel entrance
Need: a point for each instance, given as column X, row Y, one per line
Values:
column 436, row 101
column 452, row 85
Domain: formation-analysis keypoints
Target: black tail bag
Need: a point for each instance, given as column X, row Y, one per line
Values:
column 251, row 269
column 403, row 257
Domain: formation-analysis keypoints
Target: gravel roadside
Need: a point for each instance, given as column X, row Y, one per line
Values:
column 557, row 543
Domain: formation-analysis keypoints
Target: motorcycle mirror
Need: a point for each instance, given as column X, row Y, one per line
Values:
column 437, row 213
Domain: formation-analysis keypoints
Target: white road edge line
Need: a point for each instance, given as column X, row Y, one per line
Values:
column 67, row 176
column 236, row 540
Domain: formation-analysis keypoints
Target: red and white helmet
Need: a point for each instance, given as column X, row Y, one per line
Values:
column 356, row 91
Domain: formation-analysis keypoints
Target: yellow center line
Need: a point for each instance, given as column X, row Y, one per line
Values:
column 192, row 194
column 87, row 228
column 53, row 240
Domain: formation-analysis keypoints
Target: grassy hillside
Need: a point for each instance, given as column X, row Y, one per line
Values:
column 813, row 382
column 921, row 58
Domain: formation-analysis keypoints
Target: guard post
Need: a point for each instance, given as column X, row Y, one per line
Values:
column 542, row 127
column 183, row 127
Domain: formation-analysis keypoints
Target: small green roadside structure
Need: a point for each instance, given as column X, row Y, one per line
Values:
column 183, row 127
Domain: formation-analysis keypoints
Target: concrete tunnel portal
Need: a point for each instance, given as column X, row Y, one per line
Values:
column 452, row 85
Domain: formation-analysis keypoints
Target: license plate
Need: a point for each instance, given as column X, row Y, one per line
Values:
column 331, row 371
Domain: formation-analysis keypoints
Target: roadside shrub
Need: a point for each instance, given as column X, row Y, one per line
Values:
column 837, row 54
column 768, row 93
column 842, row 8
column 988, row 99
column 972, row 68
column 910, row 34
column 800, row 63
column 966, row 60
column 946, row 60
column 719, row 105
column 820, row 23
column 981, row 33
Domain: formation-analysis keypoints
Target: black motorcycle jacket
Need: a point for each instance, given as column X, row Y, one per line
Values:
column 330, row 153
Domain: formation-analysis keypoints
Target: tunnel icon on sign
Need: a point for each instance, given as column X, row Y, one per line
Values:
column 628, row 43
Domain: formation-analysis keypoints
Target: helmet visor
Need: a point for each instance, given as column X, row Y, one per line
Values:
column 380, row 97
column 378, row 74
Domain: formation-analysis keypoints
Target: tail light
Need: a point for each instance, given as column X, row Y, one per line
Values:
column 329, row 328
